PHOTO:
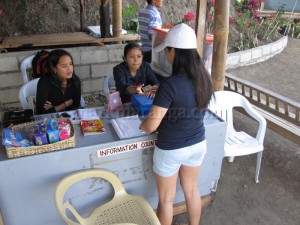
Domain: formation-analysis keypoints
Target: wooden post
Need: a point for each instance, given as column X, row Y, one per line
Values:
column 117, row 18
column 200, row 25
column 82, row 15
column 104, row 19
column 221, row 27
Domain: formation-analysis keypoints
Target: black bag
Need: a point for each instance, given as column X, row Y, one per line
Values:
column 17, row 117
column 39, row 64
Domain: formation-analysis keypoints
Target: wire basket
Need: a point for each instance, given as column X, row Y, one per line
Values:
column 14, row 152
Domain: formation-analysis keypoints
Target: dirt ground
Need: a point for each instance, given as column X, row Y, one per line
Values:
column 275, row 200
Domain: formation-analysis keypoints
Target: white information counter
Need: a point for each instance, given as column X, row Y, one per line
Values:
column 27, row 183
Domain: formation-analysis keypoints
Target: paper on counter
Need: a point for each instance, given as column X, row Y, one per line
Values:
column 87, row 114
column 127, row 127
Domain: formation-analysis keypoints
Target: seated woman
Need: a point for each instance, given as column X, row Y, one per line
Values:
column 132, row 74
column 59, row 89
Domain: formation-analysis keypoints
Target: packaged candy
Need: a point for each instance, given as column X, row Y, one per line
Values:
column 29, row 130
column 63, row 134
column 13, row 138
column 53, row 136
column 40, row 139
column 40, row 128
column 52, row 131
column 64, row 130
column 52, row 125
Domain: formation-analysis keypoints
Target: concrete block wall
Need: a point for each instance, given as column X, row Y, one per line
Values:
column 255, row 55
column 92, row 65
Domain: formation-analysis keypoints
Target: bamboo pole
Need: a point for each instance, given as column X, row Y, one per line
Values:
column 117, row 18
column 200, row 25
column 221, row 27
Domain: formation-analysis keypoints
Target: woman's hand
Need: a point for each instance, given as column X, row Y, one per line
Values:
column 152, row 92
column 48, row 105
column 138, row 89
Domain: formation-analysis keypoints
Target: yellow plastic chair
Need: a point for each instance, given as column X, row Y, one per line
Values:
column 123, row 208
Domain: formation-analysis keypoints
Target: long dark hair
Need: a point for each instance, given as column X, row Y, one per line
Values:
column 189, row 61
column 52, row 61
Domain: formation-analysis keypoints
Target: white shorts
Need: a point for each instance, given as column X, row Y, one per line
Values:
column 167, row 162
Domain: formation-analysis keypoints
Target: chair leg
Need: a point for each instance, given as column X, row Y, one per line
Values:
column 230, row 159
column 258, row 163
column 1, row 218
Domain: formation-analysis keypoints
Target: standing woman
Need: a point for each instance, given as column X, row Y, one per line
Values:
column 177, row 114
column 59, row 89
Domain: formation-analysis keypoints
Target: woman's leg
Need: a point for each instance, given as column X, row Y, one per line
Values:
column 189, row 183
column 166, row 187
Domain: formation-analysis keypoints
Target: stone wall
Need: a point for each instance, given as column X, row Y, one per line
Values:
column 92, row 65
column 255, row 55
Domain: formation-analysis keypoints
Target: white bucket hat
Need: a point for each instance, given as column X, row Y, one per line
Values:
column 180, row 36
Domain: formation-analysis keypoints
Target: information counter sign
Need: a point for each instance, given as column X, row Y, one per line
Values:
column 125, row 148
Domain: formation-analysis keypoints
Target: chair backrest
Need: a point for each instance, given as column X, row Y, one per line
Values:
column 108, row 83
column 111, row 211
column 25, row 65
column 27, row 93
column 223, row 105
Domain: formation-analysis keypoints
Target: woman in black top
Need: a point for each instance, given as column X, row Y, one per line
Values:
column 132, row 74
column 59, row 89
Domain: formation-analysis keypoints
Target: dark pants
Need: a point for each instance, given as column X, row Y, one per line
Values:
column 147, row 56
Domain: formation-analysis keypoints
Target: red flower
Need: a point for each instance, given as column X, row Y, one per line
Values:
column 210, row 17
column 238, row 13
column 189, row 16
column 231, row 20
column 212, row 2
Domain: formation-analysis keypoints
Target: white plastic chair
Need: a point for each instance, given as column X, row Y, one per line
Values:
column 108, row 83
column 123, row 208
column 239, row 143
column 27, row 94
column 26, row 65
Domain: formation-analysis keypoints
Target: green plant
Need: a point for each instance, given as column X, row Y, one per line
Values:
column 252, row 30
column 295, row 29
column 130, row 21
column 274, row 24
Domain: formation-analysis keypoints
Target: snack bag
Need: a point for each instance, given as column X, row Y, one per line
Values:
column 12, row 138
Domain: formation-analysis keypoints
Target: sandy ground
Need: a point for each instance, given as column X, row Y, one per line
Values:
column 275, row 200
